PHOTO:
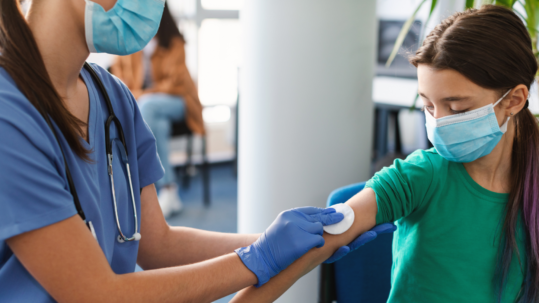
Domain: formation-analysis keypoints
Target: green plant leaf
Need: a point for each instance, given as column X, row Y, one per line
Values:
column 403, row 33
column 469, row 4
column 432, row 7
column 413, row 107
column 531, row 17
column 506, row 3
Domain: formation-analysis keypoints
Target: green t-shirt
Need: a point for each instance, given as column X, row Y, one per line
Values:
column 446, row 246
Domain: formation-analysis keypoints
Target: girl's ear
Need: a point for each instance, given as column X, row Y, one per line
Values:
column 517, row 100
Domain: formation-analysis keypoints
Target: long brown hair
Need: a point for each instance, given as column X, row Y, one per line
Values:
column 21, row 58
column 492, row 48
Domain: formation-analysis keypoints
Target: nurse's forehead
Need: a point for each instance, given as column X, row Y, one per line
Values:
column 445, row 84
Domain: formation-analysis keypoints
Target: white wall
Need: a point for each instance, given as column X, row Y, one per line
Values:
column 306, row 112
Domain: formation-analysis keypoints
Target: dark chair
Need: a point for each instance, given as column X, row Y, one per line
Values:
column 363, row 275
column 181, row 129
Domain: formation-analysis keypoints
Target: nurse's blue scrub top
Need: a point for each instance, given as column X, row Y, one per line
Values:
column 33, row 187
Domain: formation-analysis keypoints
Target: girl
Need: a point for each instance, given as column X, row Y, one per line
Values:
column 467, row 210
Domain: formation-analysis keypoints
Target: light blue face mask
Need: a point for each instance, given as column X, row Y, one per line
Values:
column 468, row 136
column 124, row 29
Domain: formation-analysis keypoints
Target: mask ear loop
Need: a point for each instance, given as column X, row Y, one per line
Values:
column 503, row 127
column 500, row 100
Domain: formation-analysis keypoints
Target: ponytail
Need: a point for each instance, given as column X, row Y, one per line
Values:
column 21, row 59
column 523, row 201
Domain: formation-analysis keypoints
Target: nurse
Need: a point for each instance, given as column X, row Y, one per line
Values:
column 75, row 220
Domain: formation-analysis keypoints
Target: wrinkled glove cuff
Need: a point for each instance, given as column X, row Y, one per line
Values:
column 253, row 260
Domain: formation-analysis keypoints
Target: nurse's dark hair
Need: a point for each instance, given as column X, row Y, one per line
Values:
column 491, row 47
column 168, row 29
column 21, row 59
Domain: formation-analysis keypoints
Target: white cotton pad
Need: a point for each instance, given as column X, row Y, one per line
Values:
column 345, row 224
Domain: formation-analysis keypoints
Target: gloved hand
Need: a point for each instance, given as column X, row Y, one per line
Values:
column 362, row 240
column 289, row 237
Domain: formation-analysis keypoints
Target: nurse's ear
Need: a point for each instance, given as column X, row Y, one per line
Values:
column 515, row 100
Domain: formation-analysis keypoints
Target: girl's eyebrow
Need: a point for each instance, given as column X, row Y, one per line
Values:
column 456, row 98
column 452, row 98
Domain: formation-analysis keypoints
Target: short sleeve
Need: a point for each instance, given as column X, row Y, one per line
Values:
column 33, row 191
column 402, row 187
column 149, row 165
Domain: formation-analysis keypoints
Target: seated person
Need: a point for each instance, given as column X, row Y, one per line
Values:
column 467, row 210
column 158, row 78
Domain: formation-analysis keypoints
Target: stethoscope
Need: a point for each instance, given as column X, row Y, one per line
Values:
column 109, row 145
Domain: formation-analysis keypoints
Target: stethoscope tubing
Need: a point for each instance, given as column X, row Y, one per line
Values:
column 108, row 143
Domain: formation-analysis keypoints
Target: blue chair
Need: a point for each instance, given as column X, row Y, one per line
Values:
column 363, row 275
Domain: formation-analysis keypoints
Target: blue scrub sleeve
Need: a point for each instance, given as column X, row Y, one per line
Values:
column 149, row 165
column 33, row 191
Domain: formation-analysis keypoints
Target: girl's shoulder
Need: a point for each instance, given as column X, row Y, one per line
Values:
column 428, row 159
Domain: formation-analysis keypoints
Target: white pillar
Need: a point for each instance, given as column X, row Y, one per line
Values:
column 306, row 112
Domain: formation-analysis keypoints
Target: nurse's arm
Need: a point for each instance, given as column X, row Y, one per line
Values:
column 164, row 246
column 365, row 209
column 69, row 263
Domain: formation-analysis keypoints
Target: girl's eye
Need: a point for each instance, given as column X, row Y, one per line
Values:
column 428, row 108
column 454, row 112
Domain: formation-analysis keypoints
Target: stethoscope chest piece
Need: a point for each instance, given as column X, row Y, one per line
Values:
column 135, row 237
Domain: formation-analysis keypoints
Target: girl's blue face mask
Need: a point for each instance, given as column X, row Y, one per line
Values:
column 124, row 29
column 468, row 136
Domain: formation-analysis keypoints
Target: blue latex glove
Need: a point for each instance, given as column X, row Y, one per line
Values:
column 289, row 237
column 362, row 240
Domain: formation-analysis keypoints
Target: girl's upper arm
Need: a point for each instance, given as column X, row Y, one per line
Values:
column 401, row 188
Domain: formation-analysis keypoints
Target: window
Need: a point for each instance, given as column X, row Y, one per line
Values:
column 219, row 55
column 212, row 31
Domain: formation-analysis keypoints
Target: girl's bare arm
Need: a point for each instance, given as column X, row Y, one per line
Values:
column 365, row 209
